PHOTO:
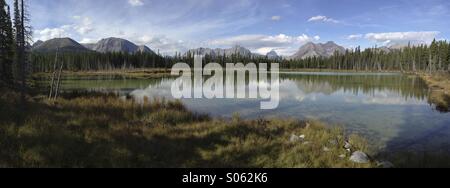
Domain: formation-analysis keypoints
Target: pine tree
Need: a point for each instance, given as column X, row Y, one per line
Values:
column 6, row 44
column 22, row 35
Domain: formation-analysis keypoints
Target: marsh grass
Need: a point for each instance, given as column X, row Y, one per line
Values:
column 439, row 85
column 126, row 73
column 105, row 131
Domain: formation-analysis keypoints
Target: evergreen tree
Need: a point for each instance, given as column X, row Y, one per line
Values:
column 6, row 44
column 22, row 35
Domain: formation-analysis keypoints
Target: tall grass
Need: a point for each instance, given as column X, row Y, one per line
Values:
column 104, row 131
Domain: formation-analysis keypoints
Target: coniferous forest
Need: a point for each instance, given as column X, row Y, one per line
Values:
column 412, row 58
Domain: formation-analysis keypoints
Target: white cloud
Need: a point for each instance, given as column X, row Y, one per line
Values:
column 354, row 37
column 88, row 40
column 135, row 3
column 283, row 44
column 49, row 33
column 83, row 25
column 321, row 18
column 395, row 37
column 166, row 45
column 276, row 18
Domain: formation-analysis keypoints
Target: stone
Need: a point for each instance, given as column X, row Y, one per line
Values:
column 333, row 142
column 295, row 138
column 342, row 156
column 347, row 145
column 385, row 164
column 359, row 157
column 326, row 149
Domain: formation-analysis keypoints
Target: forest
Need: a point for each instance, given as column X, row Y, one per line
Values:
column 411, row 58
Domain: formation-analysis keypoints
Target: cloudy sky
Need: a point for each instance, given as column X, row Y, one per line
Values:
column 260, row 25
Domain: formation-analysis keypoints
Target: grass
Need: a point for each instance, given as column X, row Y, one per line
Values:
column 104, row 131
column 439, row 84
column 128, row 73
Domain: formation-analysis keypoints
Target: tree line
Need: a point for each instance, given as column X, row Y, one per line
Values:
column 412, row 58
column 88, row 61
column 15, row 36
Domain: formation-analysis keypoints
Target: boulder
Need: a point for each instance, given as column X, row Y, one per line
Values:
column 347, row 145
column 385, row 164
column 359, row 157
column 333, row 142
column 295, row 138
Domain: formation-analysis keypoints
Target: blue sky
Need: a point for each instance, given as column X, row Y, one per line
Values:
column 260, row 25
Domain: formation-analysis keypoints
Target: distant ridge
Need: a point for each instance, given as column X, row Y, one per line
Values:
column 317, row 50
column 272, row 55
column 61, row 44
column 103, row 46
column 235, row 50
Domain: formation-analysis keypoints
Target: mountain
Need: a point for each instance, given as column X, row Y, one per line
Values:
column 37, row 43
column 235, row 50
column 89, row 46
column 385, row 49
column 115, row 45
column 61, row 44
column 144, row 49
column 317, row 50
column 272, row 55
column 238, row 50
column 118, row 45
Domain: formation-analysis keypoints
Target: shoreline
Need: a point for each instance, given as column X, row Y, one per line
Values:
column 439, row 86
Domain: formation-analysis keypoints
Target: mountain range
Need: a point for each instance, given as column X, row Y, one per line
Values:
column 102, row 46
column 122, row 45
column 235, row 50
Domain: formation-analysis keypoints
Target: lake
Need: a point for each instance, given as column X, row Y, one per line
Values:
column 391, row 110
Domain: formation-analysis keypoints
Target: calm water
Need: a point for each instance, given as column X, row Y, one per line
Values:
column 391, row 110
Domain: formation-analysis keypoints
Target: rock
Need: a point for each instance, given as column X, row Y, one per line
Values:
column 359, row 157
column 385, row 164
column 333, row 142
column 342, row 156
column 326, row 149
column 306, row 143
column 347, row 145
column 348, row 150
column 295, row 138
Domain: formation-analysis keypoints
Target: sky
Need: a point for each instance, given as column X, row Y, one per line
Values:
column 259, row 25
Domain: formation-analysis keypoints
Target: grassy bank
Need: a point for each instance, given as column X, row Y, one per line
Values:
column 104, row 131
column 128, row 73
column 336, row 70
column 439, row 85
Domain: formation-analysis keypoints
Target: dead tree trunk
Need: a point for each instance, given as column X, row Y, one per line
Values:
column 52, row 83
column 58, row 83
